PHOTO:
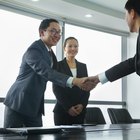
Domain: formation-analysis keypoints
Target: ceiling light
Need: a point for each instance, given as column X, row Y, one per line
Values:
column 88, row 16
column 34, row 0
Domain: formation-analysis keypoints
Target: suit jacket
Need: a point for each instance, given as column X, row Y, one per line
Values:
column 68, row 97
column 26, row 95
column 126, row 67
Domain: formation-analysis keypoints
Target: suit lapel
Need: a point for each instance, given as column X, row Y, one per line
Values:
column 78, row 68
column 66, row 67
column 68, row 71
column 54, row 60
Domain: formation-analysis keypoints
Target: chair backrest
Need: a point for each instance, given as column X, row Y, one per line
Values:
column 119, row 115
column 94, row 115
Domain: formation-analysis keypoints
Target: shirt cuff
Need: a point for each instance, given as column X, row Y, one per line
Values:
column 102, row 77
column 69, row 82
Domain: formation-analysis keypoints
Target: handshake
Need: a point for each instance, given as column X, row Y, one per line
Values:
column 86, row 83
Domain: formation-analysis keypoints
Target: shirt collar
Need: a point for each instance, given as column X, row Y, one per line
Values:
column 49, row 49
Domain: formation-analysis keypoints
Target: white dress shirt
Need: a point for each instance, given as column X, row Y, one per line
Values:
column 102, row 78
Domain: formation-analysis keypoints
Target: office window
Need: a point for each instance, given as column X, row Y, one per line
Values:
column 18, row 32
column 99, row 51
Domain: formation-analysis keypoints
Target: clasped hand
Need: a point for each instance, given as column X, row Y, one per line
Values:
column 75, row 110
column 86, row 83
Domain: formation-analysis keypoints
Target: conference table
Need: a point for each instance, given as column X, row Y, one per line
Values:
column 95, row 132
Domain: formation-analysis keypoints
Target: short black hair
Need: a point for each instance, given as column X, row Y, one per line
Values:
column 46, row 23
column 133, row 4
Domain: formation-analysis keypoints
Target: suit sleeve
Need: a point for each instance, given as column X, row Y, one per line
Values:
column 36, row 61
column 120, row 70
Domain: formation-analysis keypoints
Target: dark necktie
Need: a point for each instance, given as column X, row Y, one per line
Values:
column 50, row 52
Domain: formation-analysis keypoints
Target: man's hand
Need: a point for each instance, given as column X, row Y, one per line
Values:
column 90, row 83
column 94, row 79
column 79, row 81
column 86, row 83
column 82, row 82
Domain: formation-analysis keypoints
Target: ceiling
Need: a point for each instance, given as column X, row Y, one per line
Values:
column 116, row 5
column 74, row 10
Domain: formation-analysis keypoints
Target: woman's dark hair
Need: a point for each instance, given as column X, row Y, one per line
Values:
column 133, row 4
column 69, row 38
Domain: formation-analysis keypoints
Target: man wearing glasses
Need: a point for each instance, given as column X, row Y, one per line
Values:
column 24, row 103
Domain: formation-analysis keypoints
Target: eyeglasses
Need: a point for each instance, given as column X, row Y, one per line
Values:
column 55, row 32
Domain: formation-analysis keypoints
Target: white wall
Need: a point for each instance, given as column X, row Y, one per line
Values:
column 133, row 81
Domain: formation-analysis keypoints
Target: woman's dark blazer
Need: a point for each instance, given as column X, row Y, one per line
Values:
column 126, row 67
column 68, row 97
column 26, row 95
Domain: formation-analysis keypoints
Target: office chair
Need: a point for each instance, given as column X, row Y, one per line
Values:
column 120, row 116
column 94, row 115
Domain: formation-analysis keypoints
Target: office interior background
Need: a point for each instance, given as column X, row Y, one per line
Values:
column 104, row 40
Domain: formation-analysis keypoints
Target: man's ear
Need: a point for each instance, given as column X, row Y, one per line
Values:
column 41, row 32
column 133, row 14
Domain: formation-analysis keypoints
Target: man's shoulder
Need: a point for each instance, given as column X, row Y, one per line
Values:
column 38, row 44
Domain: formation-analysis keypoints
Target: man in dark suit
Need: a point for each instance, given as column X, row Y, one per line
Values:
column 24, row 103
column 132, row 64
